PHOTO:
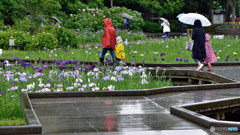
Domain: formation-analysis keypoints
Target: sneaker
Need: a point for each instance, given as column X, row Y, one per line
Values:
column 200, row 67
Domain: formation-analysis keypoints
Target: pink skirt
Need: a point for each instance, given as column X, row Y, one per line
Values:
column 210, row 55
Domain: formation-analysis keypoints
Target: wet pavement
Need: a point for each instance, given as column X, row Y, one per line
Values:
column 134, row 115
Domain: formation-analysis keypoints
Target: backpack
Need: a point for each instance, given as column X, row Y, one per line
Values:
column 119, row 51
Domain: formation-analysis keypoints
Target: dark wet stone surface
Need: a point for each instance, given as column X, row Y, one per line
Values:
column 120, row 114
column 232, row 72
column 147, row 115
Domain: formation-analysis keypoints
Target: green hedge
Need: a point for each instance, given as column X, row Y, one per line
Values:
column 151, row 26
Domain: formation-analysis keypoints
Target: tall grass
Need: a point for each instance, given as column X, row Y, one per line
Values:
column 158, row 51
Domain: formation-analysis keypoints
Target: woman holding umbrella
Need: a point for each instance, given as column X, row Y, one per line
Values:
column 166, row 27
column 198, row 51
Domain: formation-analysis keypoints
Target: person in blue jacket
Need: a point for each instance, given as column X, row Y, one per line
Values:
column 198, row 51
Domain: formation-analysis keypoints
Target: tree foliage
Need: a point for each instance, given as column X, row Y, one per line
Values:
column 38, row 8
column 11, row 10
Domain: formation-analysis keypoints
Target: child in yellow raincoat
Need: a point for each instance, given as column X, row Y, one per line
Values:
column 119, row 50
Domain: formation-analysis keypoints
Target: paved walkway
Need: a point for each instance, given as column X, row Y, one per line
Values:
column 138, row 115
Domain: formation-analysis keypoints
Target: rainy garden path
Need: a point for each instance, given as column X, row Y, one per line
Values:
column 142, row 115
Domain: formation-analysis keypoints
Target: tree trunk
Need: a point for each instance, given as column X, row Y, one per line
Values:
column 233, row 4
column 111, row 3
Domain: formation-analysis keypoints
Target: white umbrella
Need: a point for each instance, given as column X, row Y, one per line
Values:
column 165, row 20
column 56, row 19
column 191, row 17
column 178, row 16
column 126, row 15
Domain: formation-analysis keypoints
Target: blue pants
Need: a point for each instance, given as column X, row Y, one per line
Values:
column 166, row 34
column 198, row 60
column 104, row 51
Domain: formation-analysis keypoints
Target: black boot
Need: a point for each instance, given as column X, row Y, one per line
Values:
column 101, row 61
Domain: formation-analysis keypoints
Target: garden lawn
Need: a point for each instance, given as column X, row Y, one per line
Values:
column 155, row 51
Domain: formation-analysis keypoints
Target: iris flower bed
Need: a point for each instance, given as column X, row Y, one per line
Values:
column 25, row 77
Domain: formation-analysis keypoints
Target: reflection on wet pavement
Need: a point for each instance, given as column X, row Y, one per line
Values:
column 120, row 114
column 147, row 115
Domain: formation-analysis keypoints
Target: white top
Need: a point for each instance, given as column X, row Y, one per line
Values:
column 166, row 28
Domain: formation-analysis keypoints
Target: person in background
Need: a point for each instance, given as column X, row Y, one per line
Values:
column 198, row 51
column 184, row 28
column 119, row 50
column 108, row 40
column 166, row 29
column 210, row 55
column 127, row 23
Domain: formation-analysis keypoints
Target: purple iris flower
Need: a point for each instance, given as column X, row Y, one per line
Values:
column 46, row 66
column 62, row 68
column 178, row 59
column 118, row 68
column 155, row 59
column 227, row 58
column 34, row 67
column 53, row 60
column 19, row 62
column 186, row 61
column 99, row 51
column 65, row 50
column 133, row 63
column 23, row 79
column 40, row 70
column 1, row 93
column 123, row 63
column 16, row 58
column 105, row 78
column 90, row 67
column 9, row 75
column 26, row 64
column 163, row 59
column 73, row 61
column 236, row 59
column 58, row 62
column 63, row 63
column 108, row 60
column 78, row 63
column 12, row 56
column 55, row 72
column 66, row 62
column 162, row 54
column 74, row 68
column 102, row 67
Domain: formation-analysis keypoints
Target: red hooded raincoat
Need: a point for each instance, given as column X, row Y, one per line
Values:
column 109, row 35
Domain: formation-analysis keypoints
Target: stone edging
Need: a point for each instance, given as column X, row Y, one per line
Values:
column 184, row 111
column 33, row 125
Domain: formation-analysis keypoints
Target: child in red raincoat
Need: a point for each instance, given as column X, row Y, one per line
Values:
column 108, row 40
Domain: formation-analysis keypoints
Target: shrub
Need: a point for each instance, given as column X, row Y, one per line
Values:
column 42, row 40
column 22, row 39
column 151, row 26
column 66, row 38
